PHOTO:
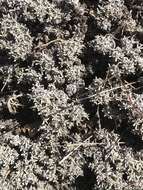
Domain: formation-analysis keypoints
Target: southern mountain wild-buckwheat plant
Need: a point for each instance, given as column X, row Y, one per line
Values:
column 71, row 95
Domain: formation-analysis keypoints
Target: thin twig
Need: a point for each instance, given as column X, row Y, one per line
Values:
column 85, row 144
column 68, row 155
column 98, row 117
column 47, row 44
column 104, row 91
column 9, row 74
column 78, row 101
column 88, row 144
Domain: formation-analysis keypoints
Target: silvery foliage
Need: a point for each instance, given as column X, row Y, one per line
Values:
column 52, row 104
column 127, row 60
column 128, row 56
column 114, row 13
column 15, row 38
column 120, row 162
column 109, row 11
column 32, row 10
column 71, row 135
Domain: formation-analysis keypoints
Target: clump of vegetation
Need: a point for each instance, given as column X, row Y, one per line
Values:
column 71, row 103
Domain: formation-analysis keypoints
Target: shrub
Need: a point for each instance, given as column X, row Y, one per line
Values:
column 71, row 95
